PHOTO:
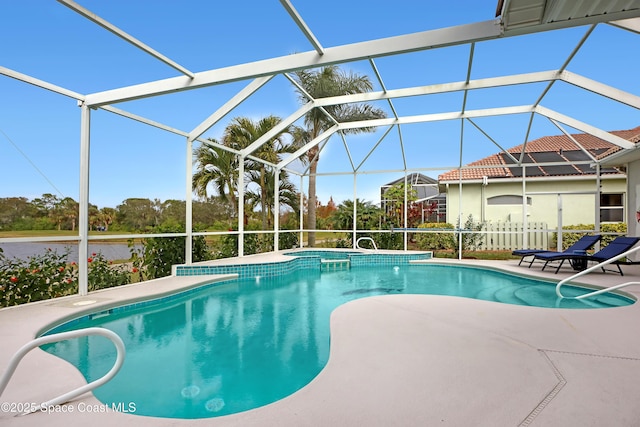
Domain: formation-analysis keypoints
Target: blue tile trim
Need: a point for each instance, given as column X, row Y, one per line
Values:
column 302, row 260
column 385, row 259
column 252, row 270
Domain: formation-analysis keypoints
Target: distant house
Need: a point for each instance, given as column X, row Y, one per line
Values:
column 432, row 203
column 561, row 186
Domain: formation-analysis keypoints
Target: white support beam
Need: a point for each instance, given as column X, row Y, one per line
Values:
column 144, row 120
column 188, row 246
column 402, row 152
column 526, row 137
column 384, row 135
column 324, row 135
column 566, row 63
column 576, row 124
column 276, row 212
column 437, row 117
column 322, row 145
column 469, row 66
column 299, row 87
column 382, row 85
column 278, row 128
column 502, row 149
column 124, row 36
column 83, row 201
column 340, row 54
column 568, row 135
column 346, row 148
column 517, row 79
column 40, row 83
column 245, row 93
column 163, row 127
column 264, row 162
column 601, row 89
column 303, row 26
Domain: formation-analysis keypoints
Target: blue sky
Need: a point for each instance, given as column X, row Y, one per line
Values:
column 39, row 130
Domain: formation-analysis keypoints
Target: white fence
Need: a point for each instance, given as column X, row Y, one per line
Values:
column 500, row 236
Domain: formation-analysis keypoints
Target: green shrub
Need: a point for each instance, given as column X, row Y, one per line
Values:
column 38, row 278
column 158, row 254
column 471, row 241
column 288, row 240
column 393, row 241
column 436, row 241
column 569, row 238
column 103, row 274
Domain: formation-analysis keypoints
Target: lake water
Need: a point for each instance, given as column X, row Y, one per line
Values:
column 110, row 251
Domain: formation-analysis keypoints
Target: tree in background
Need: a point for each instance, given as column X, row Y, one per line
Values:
column 325, row 212
column 17, row 213
column 69, row 210
column 217, row 166
column 240, row 134
column 137, row 214
column 289, row 195
column 368, row 215
column 396, row 203
column 106, row 217
column 326, row 82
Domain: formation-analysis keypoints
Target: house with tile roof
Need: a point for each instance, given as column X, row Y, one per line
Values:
column 430, row 200
column 563, row 186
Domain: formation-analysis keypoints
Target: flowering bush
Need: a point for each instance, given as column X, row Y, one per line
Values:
column 40, row 277
column 51, row 275
column 103, row 274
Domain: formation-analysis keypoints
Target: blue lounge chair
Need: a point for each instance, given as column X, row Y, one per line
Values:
column 618, row 246
column 584, row 243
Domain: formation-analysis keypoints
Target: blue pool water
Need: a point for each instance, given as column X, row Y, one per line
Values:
column 231, row 347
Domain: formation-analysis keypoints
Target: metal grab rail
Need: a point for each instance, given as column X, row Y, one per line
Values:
column 17, row 357
column 366, row 238
column 595, row 267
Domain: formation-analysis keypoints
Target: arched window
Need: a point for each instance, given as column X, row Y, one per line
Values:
column 508, row 199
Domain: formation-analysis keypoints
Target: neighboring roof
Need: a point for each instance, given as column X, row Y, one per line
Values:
column 518, row 14
column 413, row 178
column 425, row 187
column 559, row 150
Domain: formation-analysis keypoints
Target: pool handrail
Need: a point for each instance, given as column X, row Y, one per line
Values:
column 47, row 339
column 366, row 238
column 595, row 267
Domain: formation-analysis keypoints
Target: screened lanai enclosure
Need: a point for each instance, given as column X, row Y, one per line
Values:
column 528, row 119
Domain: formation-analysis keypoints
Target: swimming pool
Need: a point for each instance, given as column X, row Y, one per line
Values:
column 237, row 345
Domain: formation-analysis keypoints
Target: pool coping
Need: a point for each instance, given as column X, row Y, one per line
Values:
column 559, row 335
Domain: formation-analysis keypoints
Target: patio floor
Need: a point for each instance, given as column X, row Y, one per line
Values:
column 414, row 360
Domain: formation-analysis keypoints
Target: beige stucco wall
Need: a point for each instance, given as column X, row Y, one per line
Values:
column 576, row 208
column 633, row 197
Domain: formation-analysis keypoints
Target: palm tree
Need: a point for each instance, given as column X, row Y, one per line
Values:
column 68, row 209
column 289, row 196
column 325, row 82
column 107, row 216
column 241, row 133
column 218, row 166
column 368, row 215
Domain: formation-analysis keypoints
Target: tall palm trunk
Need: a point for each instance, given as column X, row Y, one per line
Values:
column 263, row 197
column 311, row 208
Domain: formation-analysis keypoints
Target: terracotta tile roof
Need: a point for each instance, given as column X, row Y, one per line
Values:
column 499, row 165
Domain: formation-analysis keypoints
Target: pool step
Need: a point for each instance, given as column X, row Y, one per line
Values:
column 335, row 264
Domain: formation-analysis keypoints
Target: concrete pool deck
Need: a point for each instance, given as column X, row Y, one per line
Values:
column 414, row 360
